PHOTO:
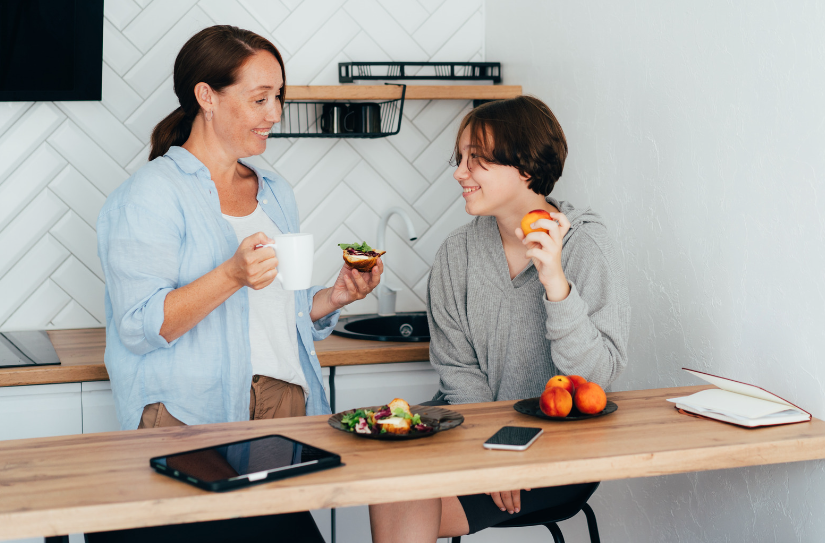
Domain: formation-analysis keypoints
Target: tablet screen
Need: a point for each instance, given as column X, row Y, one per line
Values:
column 243, row 458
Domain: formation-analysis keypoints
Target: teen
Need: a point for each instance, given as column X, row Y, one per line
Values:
column 509, row 311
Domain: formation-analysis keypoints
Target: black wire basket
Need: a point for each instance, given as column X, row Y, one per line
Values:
column 454, row 71
column 337, row 119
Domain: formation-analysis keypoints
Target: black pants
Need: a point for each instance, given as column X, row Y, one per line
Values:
column 290, row 527
column 482, row 512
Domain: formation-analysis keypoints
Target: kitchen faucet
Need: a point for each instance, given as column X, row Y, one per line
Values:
column 386, row 295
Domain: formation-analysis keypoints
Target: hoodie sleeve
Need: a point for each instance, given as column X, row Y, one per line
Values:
column 588, row 330
column 451, row 353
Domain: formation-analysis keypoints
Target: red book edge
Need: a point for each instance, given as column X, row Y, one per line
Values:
column 754, row 386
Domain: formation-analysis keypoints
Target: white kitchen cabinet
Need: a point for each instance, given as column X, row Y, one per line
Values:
column 99, row 413
column 40, row 411
column 376, row 384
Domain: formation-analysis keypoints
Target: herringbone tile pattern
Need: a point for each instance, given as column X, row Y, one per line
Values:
column 59, row 160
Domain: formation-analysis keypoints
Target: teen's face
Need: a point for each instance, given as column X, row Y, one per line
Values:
column 489, row 189
column 245, row 112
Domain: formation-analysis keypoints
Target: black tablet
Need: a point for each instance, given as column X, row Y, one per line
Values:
column 243, row 463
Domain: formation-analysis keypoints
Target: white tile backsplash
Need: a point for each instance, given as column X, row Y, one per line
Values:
column 385, row 30
column 443, row 23
column 28, row 227
column 33, row 127
column 118, row 96
column 10, row 112
column 379, row 196
column 321, row 48
column 80, row 239
column 28, row 181
column 118, row 52
column 433, row 119
column 152, row 110
column 79, row 194
column 319, row 183
column 29, row 273
column 120, row 12
column 92, row 161
column 82, row 285
column 270, row 13
column 305, row 21
column 73, row 316
column 41, row 307
column 155, row 21
column 409, row 15
column 157, row 64
column 104, row 129
column 392, row 166
column 442, row 193
column 58, row 162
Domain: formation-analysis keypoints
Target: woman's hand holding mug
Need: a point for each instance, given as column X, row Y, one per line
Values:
column 252, row 266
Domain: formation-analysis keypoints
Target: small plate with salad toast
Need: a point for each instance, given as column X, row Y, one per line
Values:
column 396, row 421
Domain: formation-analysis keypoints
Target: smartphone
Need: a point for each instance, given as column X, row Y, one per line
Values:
column 513, row 438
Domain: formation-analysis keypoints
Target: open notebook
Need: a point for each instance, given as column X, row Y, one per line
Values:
column 739, row 403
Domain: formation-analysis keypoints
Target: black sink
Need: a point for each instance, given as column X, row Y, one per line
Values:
column 399, row 327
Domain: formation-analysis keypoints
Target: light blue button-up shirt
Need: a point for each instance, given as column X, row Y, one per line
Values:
column 161, row 230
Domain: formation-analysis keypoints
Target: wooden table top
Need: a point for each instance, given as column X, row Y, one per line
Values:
column 81, row 357
column 96, row 482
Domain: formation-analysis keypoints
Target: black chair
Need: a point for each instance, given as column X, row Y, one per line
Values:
column 551, row 516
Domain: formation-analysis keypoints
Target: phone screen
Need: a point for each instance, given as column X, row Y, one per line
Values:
column 514, row 436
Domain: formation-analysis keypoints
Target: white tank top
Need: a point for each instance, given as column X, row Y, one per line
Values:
column 273, row 335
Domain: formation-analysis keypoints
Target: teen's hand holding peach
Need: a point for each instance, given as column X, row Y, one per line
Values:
column 545, row 242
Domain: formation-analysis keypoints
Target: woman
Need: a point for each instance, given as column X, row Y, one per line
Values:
column 509, row 311
column 186, row 342
column 178, row 245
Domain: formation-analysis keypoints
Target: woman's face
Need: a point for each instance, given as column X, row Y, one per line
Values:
column 489, row 189
column 245, row 112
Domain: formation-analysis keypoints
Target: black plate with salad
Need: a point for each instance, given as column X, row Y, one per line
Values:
column 396, row 421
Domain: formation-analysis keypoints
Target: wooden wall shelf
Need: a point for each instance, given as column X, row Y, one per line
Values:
column 390, row 92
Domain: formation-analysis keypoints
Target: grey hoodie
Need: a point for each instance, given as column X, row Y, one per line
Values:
column 493, row 338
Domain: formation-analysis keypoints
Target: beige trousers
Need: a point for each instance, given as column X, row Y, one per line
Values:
column 268, row 399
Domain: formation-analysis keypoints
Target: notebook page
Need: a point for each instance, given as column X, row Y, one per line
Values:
column 731, row 403
column 739, row 388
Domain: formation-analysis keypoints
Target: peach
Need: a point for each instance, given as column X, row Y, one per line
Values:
column 578, row 380
column 590, row 399
column 556, row 402
column 532, row 217
column 561, row 381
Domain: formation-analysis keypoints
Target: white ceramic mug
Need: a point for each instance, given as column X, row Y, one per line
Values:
column 295, row 253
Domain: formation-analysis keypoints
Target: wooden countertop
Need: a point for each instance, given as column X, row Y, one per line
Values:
column 59, row 485
column 81, row 357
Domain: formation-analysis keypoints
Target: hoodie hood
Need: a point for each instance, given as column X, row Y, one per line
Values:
column 577, row 217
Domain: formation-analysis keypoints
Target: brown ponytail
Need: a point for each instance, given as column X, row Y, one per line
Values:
column 212, row 56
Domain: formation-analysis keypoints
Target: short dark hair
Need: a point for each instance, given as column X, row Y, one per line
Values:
column 521, row 132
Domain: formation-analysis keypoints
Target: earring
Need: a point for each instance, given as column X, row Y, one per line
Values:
column 209, row 115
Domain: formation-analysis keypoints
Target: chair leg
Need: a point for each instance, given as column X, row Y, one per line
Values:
column 592, row 527
column 556, row 531
column 456, row 539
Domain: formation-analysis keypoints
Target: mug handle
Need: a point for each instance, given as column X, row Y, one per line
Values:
column 274, row 247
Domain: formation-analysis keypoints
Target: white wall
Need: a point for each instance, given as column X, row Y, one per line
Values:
column 59, row 160
column 697, row 129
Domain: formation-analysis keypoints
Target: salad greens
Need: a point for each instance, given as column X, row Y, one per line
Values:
column 362, row 247
column 364, row 421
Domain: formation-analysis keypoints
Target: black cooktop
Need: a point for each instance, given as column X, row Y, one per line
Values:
column 33, row 348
